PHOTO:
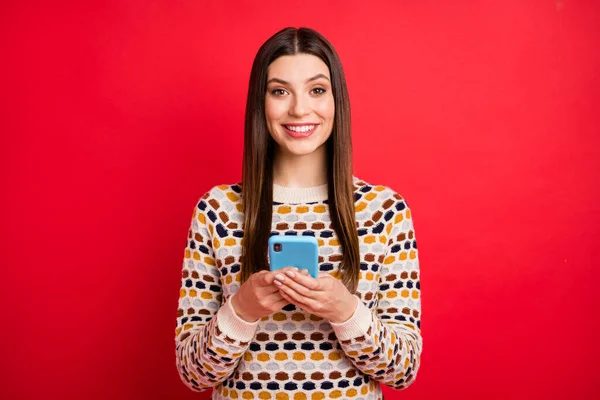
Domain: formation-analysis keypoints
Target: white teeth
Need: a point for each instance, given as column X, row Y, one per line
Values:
column 304, row 128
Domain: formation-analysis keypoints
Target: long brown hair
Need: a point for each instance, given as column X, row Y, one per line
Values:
column 259, row 151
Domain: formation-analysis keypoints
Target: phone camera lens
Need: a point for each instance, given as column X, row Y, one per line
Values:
column 277, row 247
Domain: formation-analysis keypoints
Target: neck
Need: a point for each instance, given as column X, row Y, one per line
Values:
column 300, row 171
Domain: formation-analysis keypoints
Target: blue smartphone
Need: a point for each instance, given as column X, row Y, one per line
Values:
column 301, row 252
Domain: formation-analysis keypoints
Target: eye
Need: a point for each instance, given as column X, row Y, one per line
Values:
column 276, row 92
column 321, row 90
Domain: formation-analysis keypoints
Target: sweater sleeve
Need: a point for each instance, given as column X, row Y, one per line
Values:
column 210, row 338
column 386, row 344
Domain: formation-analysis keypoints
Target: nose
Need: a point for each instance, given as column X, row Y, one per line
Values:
column 300, row 106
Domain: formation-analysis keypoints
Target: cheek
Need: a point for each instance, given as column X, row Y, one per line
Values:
column 274, row 110
column 326, row 109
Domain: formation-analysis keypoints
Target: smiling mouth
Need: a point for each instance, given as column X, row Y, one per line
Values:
column 300, row 128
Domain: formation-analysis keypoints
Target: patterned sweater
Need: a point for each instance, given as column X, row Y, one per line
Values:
column 291, row 354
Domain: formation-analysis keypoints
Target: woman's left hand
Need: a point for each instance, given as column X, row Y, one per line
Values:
column 325, row 297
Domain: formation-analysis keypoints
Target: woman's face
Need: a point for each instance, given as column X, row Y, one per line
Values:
column 299, row 103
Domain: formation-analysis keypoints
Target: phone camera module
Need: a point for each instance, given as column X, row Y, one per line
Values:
column 277, row 247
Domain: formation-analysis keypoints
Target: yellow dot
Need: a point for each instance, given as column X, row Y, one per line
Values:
column 211, row 229
column 193, row 293
column 391, row 295
column 360, row 206
column 415, row 294
column 209, row 261
column 334, row 242
column 388, row 228
column 407, row 213
column 299, row 356
column 188, row 253
column 335, row 394
column 351, row 393
column 399, row 218
column 364, row 390
column 389, row 260
column 335, row 356
column 182, row 293
column 264, row 395
column 281, row 356
column 247, row 395
column 370, row 239
column 202, row 218
column 239, row 207
column 413, row 255
column 320, row 242
column 379, row 188
column 405, row 293
column 279, row 316
column 233, row 394
column 403, row 255
column 206, row 295
column 225, row 392
column 196, row 256
column 282, row 396
column 382, row 239
column 370, row 196
column 369, row 276
column 299, row 396
column 318, row 396
column 228, row 279
column 230, row 242
column 232, row 196
column 248, row 356
column 216, row 243
column 187, row 327
column 284, row 210
column 301, row 209
column 177, row 331
column 263, row 357
column 320, row 209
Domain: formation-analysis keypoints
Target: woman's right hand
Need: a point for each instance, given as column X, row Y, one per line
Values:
column 259, row 297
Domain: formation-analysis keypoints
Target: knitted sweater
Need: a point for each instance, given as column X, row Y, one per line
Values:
column 292, row 354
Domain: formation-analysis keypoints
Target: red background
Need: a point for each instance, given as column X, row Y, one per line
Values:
column 117, row 117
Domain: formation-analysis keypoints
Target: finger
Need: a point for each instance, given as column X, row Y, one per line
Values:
column 308, row 305
column 304, row 280
column 295, row 286
column 266, row 279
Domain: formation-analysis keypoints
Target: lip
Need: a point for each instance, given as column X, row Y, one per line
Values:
column 299, row 134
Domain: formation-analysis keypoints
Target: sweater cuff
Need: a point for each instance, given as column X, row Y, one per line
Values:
column 357, row 325
column 233, row 326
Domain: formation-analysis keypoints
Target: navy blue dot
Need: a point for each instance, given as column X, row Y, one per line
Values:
column 378, row 228
column 290, row 386
column 326, row 234
column 212, row 216
column 240, row 385
column 344, row 383
column 273, row 386
column 326, row 267
column 289, row 346
column 236, row 188
column 215, row 288
column 291, row 233
column 192, row 244
column 238, row 234
column 364, row 266
column 326, row 385
column 308, row 233
column 388, row 215
column 307, row 346
column 200, row 285
column 400, row 206
column 202, row 205
column 398, row 285
column 271, row 346
column 358, row 381
column 221, row 231
column 188, row 283
column 308, row 386
column 396, row 248
column 363, row 232
column 365, row 189
column 235, row 268
column 254, row 346
column 325, row 346
column 289, row 307
column 255, row 386
column 384, row 286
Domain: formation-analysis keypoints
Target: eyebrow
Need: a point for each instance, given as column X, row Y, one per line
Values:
column 287, row 83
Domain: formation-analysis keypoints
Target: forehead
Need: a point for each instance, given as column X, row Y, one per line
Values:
column 297, row 68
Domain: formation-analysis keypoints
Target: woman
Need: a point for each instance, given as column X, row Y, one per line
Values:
column 251, row 333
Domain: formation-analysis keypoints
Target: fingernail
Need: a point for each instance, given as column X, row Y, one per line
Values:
column 290, row 274
column 277, row 282
column 294, row 269
column 280, row 277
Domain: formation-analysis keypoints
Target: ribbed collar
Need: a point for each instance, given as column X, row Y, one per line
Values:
column 296, row 195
